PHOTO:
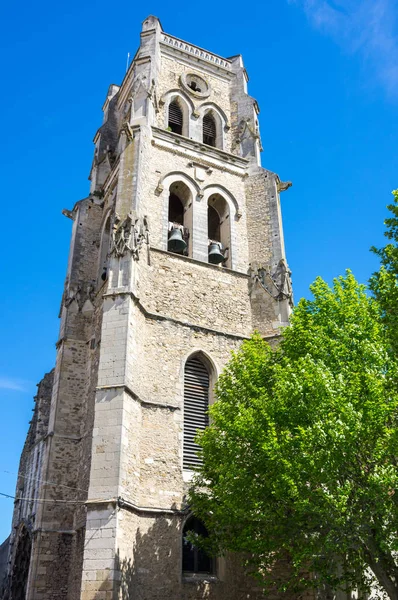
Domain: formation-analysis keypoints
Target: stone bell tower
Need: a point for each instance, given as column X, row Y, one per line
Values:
column 176, row 256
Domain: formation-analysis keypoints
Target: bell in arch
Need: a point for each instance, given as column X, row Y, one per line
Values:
column 176, row 242
column 215, row 255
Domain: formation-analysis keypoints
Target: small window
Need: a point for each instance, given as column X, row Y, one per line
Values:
column 195, row 560
column 175, row 117
column 209, row 130
column 194, row 86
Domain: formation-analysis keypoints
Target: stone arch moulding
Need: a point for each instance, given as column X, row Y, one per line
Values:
column 216, row 188
column 203, row 108
column 104, row 220
column 170, row 94
column 188, row 108
column 166, row 181
column 214, row 369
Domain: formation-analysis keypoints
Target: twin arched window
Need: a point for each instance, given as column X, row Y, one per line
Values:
column 177, row 122
column 180, row 220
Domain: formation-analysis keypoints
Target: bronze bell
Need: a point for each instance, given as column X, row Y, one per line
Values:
column 176, row 242
column 215, row 255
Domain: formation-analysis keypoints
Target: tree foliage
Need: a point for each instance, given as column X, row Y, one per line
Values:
column 384, row 283
column 300, row 457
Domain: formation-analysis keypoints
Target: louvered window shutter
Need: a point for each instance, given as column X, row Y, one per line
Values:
column 196, row 404
column 175, row 117
column 209, row 130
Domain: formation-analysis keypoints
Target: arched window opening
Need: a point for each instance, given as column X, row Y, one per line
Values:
column 180, row 217
column 218, row 230
column 195, row 560
column 176, row 210
column 196, row 406
column 105, row 241
column 175, row 121
column 214, row 226
column 209, row 130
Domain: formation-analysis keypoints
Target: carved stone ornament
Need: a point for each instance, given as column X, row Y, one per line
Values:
column 140, row 81
column 129, row 235
column 278, row 284
column 79, row 294
column 247, row 128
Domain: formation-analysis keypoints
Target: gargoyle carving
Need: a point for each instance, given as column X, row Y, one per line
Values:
column 282, row 186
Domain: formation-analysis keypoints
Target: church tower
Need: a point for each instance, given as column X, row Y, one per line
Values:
column 176, row 256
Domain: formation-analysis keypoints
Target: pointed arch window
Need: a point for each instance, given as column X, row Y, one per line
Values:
column 209, row 130
column 196, row 406
column 195, row 560
column 175, row 121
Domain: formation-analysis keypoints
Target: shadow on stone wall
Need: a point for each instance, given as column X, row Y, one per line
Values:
column 152, row 571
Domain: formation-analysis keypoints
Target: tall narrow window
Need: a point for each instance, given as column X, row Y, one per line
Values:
column 196, row 405
column 214, row 226
column 209, row 130
column 195, row 560
column 175, row 117
column 103, row 267
column 218, row 231
column 179, row 218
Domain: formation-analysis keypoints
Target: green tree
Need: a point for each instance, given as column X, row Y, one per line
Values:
column 300, row 456
column 384, row 283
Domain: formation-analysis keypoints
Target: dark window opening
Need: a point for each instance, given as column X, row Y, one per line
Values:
column 176, row 210
column 209, row 130
column 175, row 117
column 104, row 258
column 195, row 560
column 194, row 86
column 213, row 224
column 178, row 234
column 196, row 406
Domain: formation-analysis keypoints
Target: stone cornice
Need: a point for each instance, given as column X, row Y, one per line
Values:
column 194, row 54
column 159, row 317
column 195, row 151
column 133, row 395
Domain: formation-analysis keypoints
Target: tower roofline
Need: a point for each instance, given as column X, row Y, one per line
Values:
column 153, row 18
column 195, row 51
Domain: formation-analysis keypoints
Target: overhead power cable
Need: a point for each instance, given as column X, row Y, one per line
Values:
column 43, row 499
column 33, row 478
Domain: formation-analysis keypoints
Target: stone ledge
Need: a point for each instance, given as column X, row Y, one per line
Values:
column 199, row 578
column 182, row 142
column 206, row 265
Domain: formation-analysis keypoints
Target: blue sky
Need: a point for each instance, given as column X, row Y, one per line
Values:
column 325, row 75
